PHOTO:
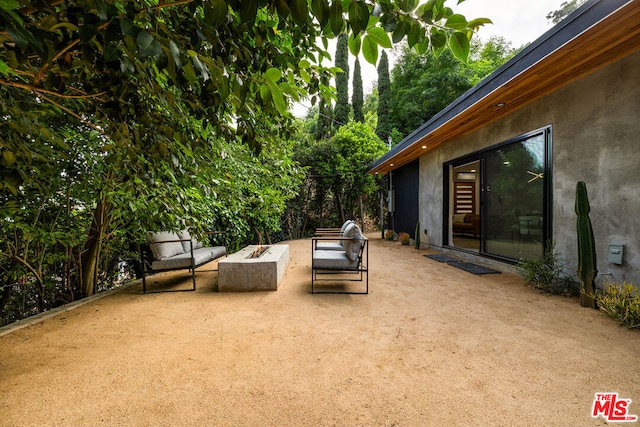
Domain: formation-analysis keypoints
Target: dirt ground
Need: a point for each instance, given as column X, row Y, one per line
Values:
column 430, row 345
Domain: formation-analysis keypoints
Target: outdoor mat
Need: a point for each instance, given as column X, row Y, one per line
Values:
column 442, row 258
column 473, row 268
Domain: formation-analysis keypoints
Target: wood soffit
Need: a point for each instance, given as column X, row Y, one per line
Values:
column 604, row 43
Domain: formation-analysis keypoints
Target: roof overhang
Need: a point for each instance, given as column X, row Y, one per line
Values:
column 595, row 35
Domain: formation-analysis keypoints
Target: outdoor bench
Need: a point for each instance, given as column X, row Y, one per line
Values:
column 167, row 251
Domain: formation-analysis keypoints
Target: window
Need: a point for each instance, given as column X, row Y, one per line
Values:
column 513, row 201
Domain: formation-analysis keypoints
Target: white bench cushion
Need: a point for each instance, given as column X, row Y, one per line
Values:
column 329, row 246
column 186, row 246
column 355, row 243
column 165, row 250
column 333, row 260
column 183, row 260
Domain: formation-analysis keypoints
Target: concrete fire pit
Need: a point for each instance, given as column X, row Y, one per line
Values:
column 239, row 272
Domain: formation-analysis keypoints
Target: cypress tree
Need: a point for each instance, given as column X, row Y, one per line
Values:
column 323, row 127
column 341, row 111
column 383, row 130
column 357, row 99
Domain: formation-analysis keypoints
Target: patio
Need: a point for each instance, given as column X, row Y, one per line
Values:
column 430, row 345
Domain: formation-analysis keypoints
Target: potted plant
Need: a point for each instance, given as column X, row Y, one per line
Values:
column 389, row 235
column 404, row 238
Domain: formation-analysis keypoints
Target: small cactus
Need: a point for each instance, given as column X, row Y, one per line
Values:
column 587, row 267
column 418, row 235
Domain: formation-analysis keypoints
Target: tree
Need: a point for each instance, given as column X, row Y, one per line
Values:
column 341, row 110
column 384, row 99
column 357, row 99
column 336, row 176
column 357, row 147
column 325, row 120
column 565, row 9
column 423, row 85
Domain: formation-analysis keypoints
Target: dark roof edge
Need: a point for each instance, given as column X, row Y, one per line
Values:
column 580, row 20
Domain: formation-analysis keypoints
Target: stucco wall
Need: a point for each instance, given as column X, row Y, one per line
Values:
column 596, row 139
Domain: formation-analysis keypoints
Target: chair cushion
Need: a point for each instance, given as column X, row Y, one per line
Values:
column 344, row 226
column 184, row 234
column 353, row 246
column 182, row 260
column 200, row 256
column 333, row 260
column 329, row 246
column 216, row 251
column 335, row 246
column 164, row 250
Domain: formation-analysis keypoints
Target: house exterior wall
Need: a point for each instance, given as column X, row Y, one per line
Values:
column 596, row 139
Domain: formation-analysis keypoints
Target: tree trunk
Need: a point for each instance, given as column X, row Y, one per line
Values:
column 340, row 207
column 321, row 206
column 91, row 254
column 258, row 234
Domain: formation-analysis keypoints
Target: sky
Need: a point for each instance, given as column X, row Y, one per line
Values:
column 518, row 21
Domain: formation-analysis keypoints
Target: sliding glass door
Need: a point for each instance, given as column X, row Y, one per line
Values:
column 514, row 198
column 514, row 177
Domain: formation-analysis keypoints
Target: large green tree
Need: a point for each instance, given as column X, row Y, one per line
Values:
column 336, row 181
column 424, row 84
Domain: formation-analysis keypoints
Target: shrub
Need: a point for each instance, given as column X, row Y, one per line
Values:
column 389, row 235
column 404, row 238
column 545, row 273
column 621, row 302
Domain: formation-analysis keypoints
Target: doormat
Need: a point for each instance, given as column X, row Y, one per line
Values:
column 473, row 268
column 442, row 258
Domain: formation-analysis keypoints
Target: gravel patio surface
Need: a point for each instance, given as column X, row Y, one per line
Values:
column 430, row 345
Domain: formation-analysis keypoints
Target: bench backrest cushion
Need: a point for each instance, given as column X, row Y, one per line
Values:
column 353, row 245
column 184, row 234
column 164, row 250
column 345, row 225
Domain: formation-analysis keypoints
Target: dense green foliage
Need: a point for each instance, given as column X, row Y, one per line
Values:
column 337, row 186
column 357, row 99
column 120, row 117
column 324, row 122
column 424, row 84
